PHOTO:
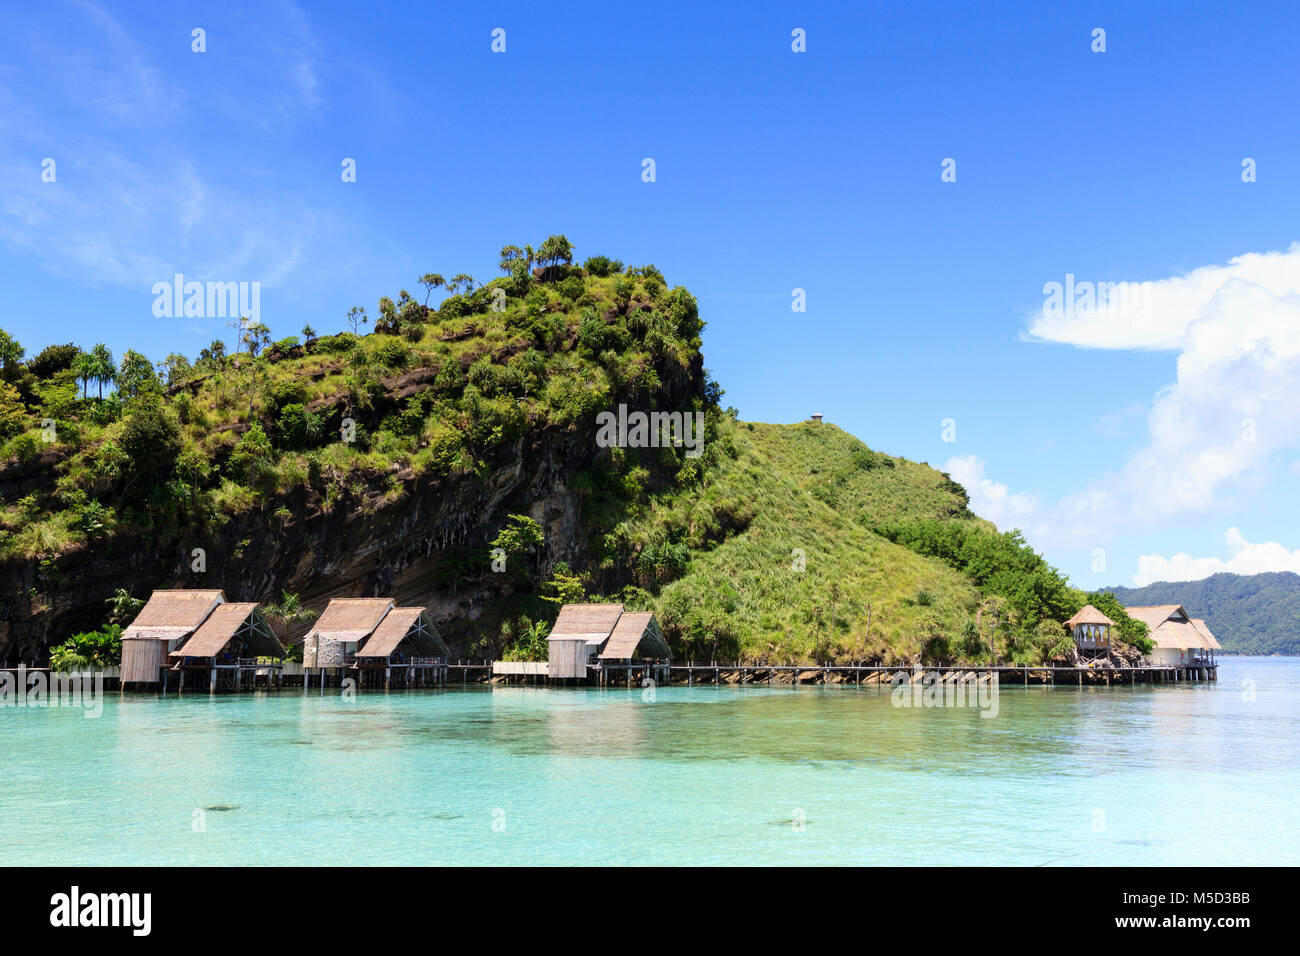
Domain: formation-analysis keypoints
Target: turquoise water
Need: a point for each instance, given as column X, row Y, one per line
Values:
column 1186, row 774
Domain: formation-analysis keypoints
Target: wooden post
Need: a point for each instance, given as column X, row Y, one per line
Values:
column 212, row 682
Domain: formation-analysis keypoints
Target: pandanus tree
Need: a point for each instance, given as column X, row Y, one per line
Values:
column 554, row 251
column 431, row 281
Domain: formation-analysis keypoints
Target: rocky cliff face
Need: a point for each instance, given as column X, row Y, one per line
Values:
column 422, row 539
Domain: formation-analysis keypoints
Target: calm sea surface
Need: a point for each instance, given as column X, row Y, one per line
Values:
column 1183, row 774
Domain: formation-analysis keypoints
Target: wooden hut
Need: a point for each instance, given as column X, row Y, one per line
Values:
column 579, row 633
column 231, row 640
column 169, row 617
column 1090, row 629
column 405, row 643
column 336, row 635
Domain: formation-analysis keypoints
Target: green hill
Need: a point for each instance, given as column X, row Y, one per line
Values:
column 1248, row 613
column 395, row 458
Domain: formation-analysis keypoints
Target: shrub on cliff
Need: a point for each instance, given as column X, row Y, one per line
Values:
column 150, row 442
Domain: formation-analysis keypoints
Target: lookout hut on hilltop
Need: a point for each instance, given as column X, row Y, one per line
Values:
column 406, row 644
column 334, row 638
column 231, row 640
column 169, row 617
column 1090, row 629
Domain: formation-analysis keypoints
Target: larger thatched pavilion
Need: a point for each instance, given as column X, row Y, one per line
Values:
column 335, row 637
column 169, row 617
column 1180, row 640
column 405, row 644
column 231, row 640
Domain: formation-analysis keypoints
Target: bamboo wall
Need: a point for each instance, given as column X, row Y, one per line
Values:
column 567, row 658
column 142, row 659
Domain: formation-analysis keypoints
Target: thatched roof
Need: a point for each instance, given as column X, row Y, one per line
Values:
column 636, row 634
column 348, row 620
column 170, row 614
column 594, row 622
column 1171, row 628
column 1153, row 615
column 1210, row 639
column 1089, row 615
column 223, row 624
column 405, row 623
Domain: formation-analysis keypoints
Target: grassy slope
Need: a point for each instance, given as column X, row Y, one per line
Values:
column 817, row 488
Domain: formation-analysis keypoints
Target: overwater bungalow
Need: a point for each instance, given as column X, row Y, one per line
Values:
column 235, row 640
column 405, row 645
column 166, row 620
column 580, row 631
column 604, row 637
column 1090, row 629
column 1181, row 641
column 335, row 637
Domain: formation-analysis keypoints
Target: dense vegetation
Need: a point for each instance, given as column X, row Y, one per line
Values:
column 1249, row 614
column 778, row 542
column 181, row 442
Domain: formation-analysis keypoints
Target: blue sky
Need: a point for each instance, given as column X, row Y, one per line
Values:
column 775, row 170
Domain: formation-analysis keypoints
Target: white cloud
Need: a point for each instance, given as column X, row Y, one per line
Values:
column 1244, row 558
column 1235, row 401
column 990, row 499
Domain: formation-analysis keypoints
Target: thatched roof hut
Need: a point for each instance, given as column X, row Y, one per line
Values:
column 635, row 636
column 1176, row 636
column 592, row 623
column 345, row 623
column 604, row 632
column 168, row 618
column 1089, row 615
column 232, row 630
column 404, row 633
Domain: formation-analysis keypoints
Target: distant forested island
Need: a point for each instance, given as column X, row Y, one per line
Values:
column 1249, row 613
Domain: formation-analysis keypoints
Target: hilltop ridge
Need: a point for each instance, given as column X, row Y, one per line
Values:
column 449, row 439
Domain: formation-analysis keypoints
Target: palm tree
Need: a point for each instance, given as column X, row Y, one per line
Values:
column 101, row 367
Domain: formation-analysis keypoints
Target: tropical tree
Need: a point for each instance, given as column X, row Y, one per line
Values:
column 256, row 336
column 357, row 318
column 555, row 250
column 431, row 281
column 565, row 586
column 92, row 649
column 100, row 367
column 11, row 353
column 509, row 256
column 308, row 336
column 122, row 607
column 461, row 282
column 135, row 376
